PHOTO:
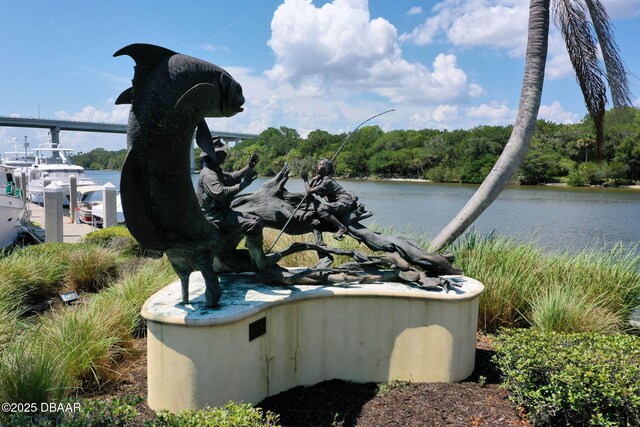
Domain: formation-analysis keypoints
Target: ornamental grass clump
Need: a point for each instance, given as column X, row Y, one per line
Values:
column 41, row 272
column 131, row 291
column 305, row 258
column 510, row 272
column 566, row 308
column 10, row 315
column 78, row 346
column 96, row 335
column 91, row 268
column 575, row 379
column 87, row 339
column 30, row 372
column 593, row 290
column 613, row 274
column 36, row 271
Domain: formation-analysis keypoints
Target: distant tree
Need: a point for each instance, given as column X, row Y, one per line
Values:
column 586, row 143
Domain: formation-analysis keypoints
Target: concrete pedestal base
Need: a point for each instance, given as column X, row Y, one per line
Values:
column 263, row 340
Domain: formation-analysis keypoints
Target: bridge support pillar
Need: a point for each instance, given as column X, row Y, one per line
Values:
column 55, row 136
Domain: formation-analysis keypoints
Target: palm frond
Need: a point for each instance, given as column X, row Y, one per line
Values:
column 571, row 19
column 616, row 71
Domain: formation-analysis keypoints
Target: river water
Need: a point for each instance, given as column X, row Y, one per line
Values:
column 555, row 218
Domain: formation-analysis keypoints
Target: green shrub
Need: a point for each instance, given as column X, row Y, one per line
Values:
column 82, row 413
column 388, row 387
column 93, row 412
column 118, row 238
column 572, row 379
column 122, row 412
column 231, row 415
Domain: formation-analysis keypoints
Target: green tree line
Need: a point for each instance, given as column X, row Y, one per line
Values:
column 99, row 159
column 558, row 152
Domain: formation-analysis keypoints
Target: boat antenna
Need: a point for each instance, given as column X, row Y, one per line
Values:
column 331, row 160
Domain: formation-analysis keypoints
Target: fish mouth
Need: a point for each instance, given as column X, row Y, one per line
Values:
column 232, row 112
column 236, row 100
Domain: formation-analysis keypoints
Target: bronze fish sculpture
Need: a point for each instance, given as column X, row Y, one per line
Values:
column 171, row 94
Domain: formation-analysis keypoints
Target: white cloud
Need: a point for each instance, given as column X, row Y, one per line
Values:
column 493, row 113
column 440, row 117
column 502, row 25
column 499, row 24
column 558, row 63
column 415, row 10
column 555, row 113
column 119, row 114
column 443, row 112
column 475, row 90
column 208, row 47
column 338, row 49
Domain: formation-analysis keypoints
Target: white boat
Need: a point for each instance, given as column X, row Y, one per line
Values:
column 18, row 159
column 91, row 206
column 52, row 165
column 12, row 207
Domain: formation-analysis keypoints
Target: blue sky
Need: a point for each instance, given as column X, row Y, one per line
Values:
column 302, row 64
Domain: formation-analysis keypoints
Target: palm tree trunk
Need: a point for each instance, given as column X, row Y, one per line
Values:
column 515, row 150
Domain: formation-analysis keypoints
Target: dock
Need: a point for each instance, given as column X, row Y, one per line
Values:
column 72, row 232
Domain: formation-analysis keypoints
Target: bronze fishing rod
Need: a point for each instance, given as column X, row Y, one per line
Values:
column 331, row 160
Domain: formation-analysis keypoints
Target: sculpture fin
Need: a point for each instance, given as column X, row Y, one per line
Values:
column 146, row 56
column 199, row 96
column 126, row 97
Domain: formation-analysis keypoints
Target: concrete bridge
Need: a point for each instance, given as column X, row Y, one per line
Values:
column 55, row 126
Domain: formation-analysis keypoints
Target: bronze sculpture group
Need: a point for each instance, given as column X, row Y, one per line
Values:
column 170, row 97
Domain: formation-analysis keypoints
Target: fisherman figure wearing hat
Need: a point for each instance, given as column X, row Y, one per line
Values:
column 217, row 188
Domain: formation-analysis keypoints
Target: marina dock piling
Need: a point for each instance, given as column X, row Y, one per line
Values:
column 110, row 205
column 73, row 197
column 53, row 225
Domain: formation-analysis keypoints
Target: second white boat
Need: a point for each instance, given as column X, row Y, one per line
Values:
column 53, row 166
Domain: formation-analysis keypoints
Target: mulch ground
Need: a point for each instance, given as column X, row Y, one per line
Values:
column 477, row 401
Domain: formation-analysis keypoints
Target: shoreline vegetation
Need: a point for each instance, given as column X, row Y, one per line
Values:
column 428, row 181
column 558, row 153
column 543, row 311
